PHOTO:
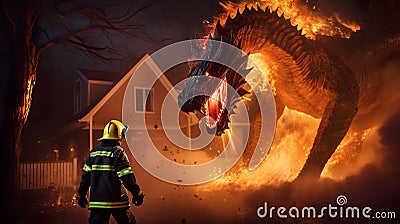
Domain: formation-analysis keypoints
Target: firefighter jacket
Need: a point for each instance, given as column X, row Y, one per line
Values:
column 109, row 175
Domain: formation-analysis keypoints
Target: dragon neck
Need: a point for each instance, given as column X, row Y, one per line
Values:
column 259, row 30
column 294, row 61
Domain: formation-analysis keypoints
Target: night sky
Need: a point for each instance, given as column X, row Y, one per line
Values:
column 164, row 23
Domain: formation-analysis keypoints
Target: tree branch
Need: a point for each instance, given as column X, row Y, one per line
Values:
column 11, row 23
column 97, row 21
column 95, row 51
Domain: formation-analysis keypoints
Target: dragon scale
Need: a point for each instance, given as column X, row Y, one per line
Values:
column 308, row 75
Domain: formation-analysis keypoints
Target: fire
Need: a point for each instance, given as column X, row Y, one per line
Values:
column 294, row 137
column 306, row 17
column 355, row 151
column 348, row 24
column 296, row 131
column 293, row 140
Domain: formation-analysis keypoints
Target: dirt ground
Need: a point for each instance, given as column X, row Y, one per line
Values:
column 52, row 206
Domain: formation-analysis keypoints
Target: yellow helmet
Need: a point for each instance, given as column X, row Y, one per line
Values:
column 114, row 130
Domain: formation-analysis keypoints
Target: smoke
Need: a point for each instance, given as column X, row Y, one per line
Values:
column 368, row 174
column 376, row 185
column 364, row 169
column 354, row 10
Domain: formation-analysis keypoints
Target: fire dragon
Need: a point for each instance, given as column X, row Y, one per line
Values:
column 306, row 73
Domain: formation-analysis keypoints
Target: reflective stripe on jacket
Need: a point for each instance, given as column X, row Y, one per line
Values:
column 109, row 175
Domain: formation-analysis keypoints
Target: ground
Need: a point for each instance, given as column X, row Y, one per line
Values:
column 40, row 206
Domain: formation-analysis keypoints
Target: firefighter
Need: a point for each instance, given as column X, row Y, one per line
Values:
column 109, row 175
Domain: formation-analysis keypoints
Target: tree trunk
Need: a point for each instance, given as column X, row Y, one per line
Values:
column 18, row 97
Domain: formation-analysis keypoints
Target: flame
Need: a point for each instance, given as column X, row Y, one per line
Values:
column 355, row 151
column 348, row 24
column 296, row 131
column 59, row 199
column 308, row 18
column 293, row 140
column 74, row 200
column 257, row 62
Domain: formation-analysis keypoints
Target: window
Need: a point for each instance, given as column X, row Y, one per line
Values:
column 77, row 96
column 144, row 100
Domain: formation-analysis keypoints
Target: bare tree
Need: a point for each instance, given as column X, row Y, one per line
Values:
column 27, row 40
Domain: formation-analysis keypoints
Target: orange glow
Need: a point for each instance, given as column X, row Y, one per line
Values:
column 293, row 140
column 59, row 199
column 348, row 24
column 355, row 151
column 306, row 17
column 284, row 160
column 296, row 131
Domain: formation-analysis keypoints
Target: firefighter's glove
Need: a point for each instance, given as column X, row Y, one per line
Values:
column 137, row 200
column 82, row 201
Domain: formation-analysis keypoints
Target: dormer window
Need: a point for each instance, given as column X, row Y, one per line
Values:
column 77, row 96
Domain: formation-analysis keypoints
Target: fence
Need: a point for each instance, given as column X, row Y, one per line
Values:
column 41, row 175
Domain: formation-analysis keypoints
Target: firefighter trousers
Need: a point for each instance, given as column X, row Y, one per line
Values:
column 102, row 216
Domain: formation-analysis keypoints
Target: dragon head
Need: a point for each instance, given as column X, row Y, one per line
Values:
column 213, row 97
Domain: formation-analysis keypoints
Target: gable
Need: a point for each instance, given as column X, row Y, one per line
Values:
column 110, row 106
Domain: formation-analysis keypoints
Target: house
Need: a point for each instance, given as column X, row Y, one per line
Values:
column 110, row 107
column 97, row 98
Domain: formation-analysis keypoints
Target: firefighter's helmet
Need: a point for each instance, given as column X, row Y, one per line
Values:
column 114, row 130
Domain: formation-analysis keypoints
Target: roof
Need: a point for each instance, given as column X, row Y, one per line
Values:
column 86, row 115
column 123, row 82
column 98, row 75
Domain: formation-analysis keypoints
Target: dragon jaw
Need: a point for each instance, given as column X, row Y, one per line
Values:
column 216, row 100
column 214, row 104
column 214, row 108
